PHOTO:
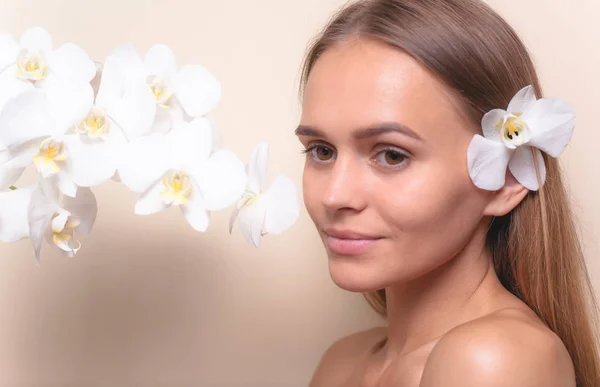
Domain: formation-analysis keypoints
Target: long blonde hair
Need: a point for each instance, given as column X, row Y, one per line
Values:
column 535, row 248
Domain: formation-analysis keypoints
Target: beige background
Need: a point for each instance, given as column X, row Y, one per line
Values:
column 150, row 302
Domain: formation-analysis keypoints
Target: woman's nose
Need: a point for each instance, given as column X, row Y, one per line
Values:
column 345, row 187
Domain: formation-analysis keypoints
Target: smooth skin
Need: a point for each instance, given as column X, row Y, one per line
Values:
column 386, row 146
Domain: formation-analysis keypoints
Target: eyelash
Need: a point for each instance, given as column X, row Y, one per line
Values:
column 309, row 150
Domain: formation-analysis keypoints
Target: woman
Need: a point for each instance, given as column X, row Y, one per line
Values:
column 480, row 274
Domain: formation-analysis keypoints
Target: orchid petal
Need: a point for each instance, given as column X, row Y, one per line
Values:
column 282, row 205
column 151, row 201
column 9, row 50
column 195, row 212
column 489, row 124
column 10, row 72
column 14, row 225
column 9, row 176
column 22, row 156
column 136, row 111
column 84, row 208
column 50, row 189
column 11, row 88
column 523, row 168
column 160, row 60
column 217, row 138
column 197, row 90
column 69, row 103
column 169, row 117
column 112, row 82
column 144, row 161
column 190, row 144
column 65, row 184
column 487, row 161
column 71, row 62
column 132, row 63
column 24, row 118
column 176, row 111
column 95, row 162
column 234, row 215
column 36, row 39
column 551, row 122
column 251, row 219
column 223, row 180
column 163, row 121
column 522, row 100
column 257, row 169
column 57, row 224
column 40, row 213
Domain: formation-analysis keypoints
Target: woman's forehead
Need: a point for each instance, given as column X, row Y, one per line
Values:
column 361, row 82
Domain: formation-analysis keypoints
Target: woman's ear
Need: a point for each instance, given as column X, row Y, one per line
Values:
column 507, row 198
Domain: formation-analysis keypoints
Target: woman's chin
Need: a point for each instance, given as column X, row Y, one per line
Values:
column 354, row 276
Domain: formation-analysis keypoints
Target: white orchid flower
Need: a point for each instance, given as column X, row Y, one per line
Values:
column 33, row 59
column 178, row 169
column 190, row 92
column 271, row 211
column 512, row 137
column 8, row 176
column 14, row 221
column 9, row 89
column 59, row 219
column 118, row 115
column 33, row 129
column 39, row 212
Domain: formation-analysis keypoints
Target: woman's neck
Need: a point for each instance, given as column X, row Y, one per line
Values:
column 420, row 311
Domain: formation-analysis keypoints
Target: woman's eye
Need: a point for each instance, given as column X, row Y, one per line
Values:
column 390, row 158
column 321, row 152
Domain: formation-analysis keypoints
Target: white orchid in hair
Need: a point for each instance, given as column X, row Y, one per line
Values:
column 513, row 137
column 190, row 92
column 265, row 211
column 180, row 169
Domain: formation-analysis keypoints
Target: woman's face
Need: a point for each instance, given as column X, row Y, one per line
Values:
column 385, row 180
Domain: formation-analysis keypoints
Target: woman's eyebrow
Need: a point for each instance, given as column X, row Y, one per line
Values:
column 308, row 131
column 370, row 131
column 386, row 127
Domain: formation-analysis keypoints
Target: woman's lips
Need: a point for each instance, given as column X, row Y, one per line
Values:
column 343, row 246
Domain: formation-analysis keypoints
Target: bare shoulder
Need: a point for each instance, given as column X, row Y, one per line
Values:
column 343, row 355
column 505, row 349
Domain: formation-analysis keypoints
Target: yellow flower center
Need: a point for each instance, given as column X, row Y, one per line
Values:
column 95, row 125
column 161, row 90
column 177, row 187
column 31, row 66
column 514, row 131
column 249, row 197
column 52, row 152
